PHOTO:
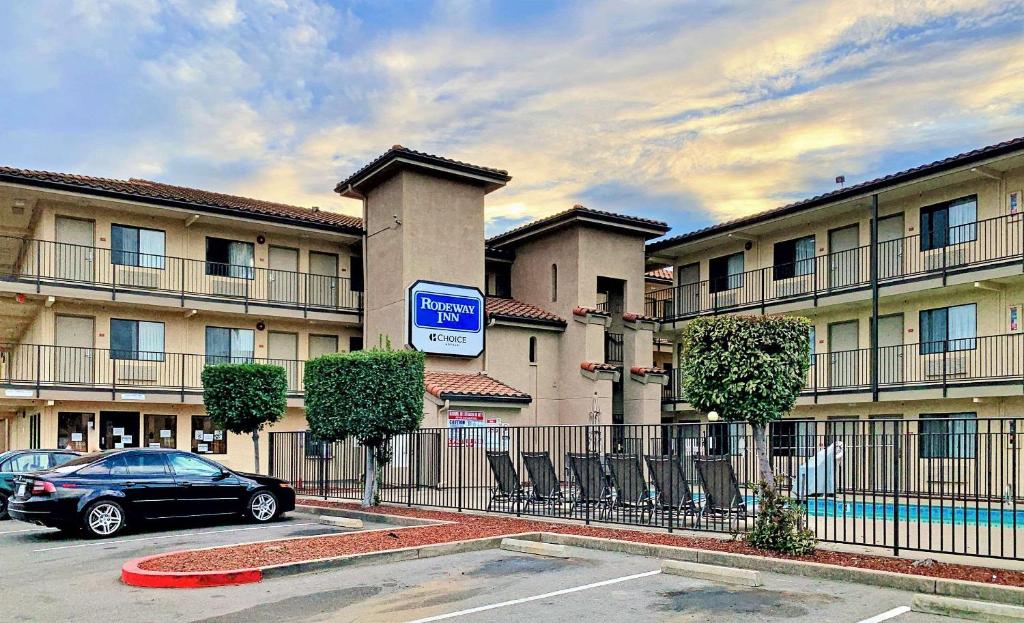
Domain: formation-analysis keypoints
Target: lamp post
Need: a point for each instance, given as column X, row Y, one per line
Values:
column 595, row 422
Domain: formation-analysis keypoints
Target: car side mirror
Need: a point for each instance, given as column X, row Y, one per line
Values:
column 223, row 475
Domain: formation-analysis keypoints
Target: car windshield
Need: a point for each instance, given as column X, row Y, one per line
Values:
column 78, row 462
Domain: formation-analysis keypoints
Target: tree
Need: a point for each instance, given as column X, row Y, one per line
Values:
column 748, row 369
column 245, row 397
column 371, row 395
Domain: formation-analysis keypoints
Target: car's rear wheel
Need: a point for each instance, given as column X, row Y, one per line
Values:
column 103, row 519
column 262, row 507
column 3, row 507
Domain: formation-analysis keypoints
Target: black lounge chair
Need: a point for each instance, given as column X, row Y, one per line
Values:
column 507, row 487
column 592, row 487
column 545, row 487
column 669, row 478
column 722, row 495
column 631, row 489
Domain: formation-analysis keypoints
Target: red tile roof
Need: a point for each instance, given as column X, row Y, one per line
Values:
column 660, row 274
column 455, row 385
column 156, row 192
column 591, row 311
column 594, row 366
column 608, row 219
column 633, row 317
column 505, row 308
column 641, row 370
column 499, row 177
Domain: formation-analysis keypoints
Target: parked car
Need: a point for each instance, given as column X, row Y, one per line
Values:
column 14, row 462
column 102, row 493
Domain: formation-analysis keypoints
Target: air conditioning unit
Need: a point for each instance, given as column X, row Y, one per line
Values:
column 228, row 287
column 955, row 365
column 952, row 257
column 726, row 298
column 134, row 372
column 794, row 286
column 138, row 277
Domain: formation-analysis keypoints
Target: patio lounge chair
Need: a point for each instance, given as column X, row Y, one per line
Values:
column 669, row 478
column 592, row 486
column 631, row 490
column 507, row 487
column 545, row 487
column 722, row 495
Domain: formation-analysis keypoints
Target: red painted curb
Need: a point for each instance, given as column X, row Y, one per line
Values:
column 133, row 575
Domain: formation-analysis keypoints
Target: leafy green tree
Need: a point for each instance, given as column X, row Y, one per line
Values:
column 245, row 397
column 371, row 395
column 748, row 369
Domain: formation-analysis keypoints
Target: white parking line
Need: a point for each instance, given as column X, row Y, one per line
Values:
column 174, row 536
column 3, row 532
column 888, row 614
column 513, row 602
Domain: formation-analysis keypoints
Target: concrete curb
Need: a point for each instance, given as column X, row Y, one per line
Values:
column 537, row 548
column 900, row 581
column 392, row 520
column 340, row 522
column 725, row 575
column 967, row 609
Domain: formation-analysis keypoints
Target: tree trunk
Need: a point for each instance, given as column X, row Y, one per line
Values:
column 370, row 478
column 764, row 465
column 256, row 450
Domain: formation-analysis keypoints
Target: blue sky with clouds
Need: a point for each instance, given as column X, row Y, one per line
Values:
column 690, row 112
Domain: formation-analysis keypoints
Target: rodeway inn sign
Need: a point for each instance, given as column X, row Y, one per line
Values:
column 446, row 319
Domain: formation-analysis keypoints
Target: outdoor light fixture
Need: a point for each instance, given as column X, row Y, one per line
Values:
column 712, row 416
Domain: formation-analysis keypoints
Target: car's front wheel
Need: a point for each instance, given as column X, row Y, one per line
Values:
column 103, row 519
column 3, row 507
column 262, row 507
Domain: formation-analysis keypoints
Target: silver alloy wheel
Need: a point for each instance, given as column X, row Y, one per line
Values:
column 105, row 519
column 263, row 506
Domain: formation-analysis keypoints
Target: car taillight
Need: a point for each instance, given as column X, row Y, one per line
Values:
column 43, row 487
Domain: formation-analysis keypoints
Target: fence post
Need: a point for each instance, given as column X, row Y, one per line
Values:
column 414, row 460
column 39, row 369
column 39, row 267
column 270, row 454
column 458, row 478
column 898, row 463
column 323, row 467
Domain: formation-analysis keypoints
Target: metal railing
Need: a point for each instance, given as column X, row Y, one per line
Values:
column 951, row 485
column 56, row 263
column 36, row 367
column 613, row 347
column 971, row 246
column 992, row 359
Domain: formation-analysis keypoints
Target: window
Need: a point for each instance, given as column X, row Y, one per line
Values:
column 554, row 283
column 792, row 438
column 355, row 343
column 948, row 329
column 161, row 431
column 229, row 345
column 114, row 465
column 146, row 464
column 73, row 431
column 135, row 246
column 811, row 340
column 951, row 222
column 229, row 258
column 205, row 438
column 533, row 349
column 135, row 339
column 948, row 436
column 726, row 438
column 726, row 272
column 794, row 258
column 355, row 272
column 185, row 465
column 28, row 462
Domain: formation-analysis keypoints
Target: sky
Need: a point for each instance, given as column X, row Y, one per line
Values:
column 689, row 112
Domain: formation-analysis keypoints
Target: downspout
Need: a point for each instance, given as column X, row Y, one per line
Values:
column 874, row 298
column 490, row 323
column 366, row 260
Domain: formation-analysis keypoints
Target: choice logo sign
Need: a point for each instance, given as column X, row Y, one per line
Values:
column 446, row 319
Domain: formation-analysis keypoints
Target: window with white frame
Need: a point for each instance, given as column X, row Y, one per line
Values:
column 948, row 436
column 949, row 329
column 137, row 246
column 136, row 339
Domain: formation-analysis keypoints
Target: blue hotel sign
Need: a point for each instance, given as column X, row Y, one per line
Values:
column 446, row 319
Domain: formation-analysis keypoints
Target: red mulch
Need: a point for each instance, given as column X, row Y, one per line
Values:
column 476, row 526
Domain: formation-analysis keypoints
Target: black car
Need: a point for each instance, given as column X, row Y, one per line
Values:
column 102, row 493
column 15, row 462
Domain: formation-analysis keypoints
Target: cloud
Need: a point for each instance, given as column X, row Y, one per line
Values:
column 690, row 111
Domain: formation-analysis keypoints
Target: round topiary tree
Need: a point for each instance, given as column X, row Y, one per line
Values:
column 748, row 369
column 372, row 395
column 245, row 397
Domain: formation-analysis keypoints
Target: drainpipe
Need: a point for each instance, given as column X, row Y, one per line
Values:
column 490, row 323
column 874, row 297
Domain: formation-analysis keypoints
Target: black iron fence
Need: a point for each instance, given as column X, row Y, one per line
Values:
column 988, row 359
column 942, row 484
column 41, row 262
column 970, row 246
column 33, row 367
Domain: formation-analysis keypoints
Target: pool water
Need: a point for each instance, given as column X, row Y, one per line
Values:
column 913, row 512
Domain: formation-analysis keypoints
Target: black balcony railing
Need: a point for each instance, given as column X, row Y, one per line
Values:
column 37, row 367
column 971, row 246
column 613, row 347
column 993, row 359
column 56, row 263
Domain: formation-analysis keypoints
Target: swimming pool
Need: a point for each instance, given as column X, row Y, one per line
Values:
column 922, row 512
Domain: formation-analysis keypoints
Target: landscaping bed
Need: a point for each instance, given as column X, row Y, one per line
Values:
column 466, row 526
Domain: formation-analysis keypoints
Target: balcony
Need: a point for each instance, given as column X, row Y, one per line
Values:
column 36, row 370
column 963, row 363
column 39, row 265
column 613, row 348
column 971, row 247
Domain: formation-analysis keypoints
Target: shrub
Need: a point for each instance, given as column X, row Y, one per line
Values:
column 371, row 395
column 245, row 397
column 779, row 524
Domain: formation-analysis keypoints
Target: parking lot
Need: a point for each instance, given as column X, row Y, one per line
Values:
column 60, row 578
